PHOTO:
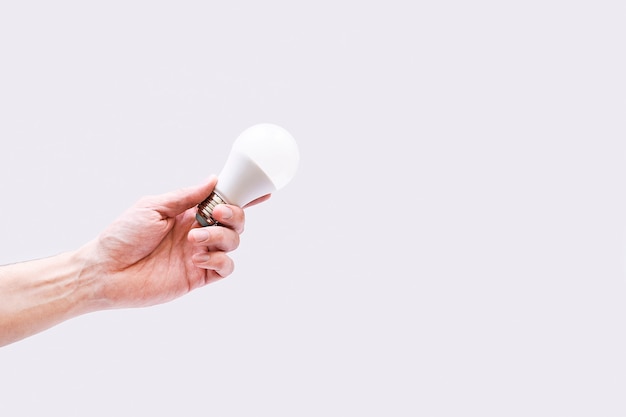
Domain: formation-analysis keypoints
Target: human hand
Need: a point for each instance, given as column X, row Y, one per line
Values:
column 156, row 251
column 153, row 253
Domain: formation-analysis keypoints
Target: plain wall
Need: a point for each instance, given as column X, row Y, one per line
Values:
column 452, row 244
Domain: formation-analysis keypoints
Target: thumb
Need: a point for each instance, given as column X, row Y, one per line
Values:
column 173, row 203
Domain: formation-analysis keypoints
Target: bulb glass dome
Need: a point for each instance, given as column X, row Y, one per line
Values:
column 273, row 149
column 263, row 159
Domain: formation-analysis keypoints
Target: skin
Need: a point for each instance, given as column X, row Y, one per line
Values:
column 151, row 254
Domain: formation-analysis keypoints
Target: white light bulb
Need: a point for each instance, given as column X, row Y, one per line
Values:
column 263, row 159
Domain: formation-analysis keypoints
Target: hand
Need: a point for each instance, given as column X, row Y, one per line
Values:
column 151, row 254
column 156, row 251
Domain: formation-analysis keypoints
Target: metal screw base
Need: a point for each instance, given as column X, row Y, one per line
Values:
column 205, row 209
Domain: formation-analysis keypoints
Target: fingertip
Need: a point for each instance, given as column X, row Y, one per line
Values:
column 232, row 217
column 198, row 235
column 201, row 259
column 223, row 211
column 208, row 185
column 217, row 262
column 211, row 179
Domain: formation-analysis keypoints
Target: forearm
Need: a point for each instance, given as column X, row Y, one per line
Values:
column 36, row 295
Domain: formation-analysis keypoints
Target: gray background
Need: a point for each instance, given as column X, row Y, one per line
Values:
column 452, row 245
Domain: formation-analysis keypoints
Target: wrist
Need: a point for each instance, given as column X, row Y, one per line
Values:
column 89, row 284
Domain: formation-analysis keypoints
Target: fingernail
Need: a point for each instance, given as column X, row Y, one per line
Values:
column 227, row 213
column 201, row 234
column 201, row 257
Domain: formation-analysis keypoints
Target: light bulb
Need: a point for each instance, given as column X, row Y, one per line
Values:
column 263, row 159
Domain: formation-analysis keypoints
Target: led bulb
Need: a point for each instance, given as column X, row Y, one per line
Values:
column 263, row 159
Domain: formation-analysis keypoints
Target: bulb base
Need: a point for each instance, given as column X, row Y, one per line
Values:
column 204, row 216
